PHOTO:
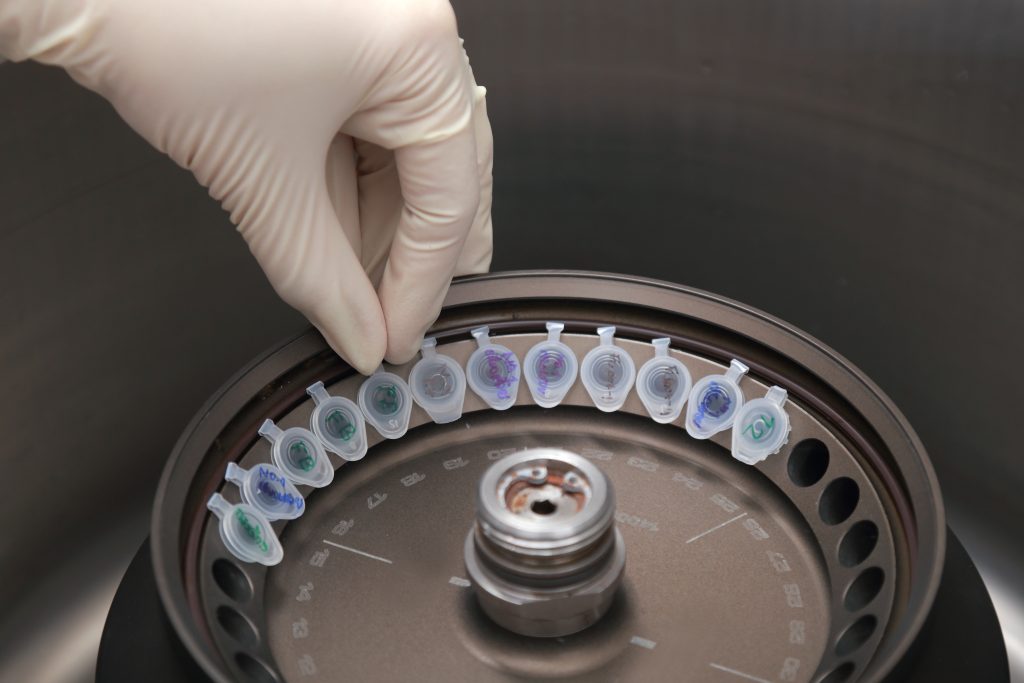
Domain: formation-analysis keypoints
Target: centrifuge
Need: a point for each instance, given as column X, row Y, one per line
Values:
column 582, row 477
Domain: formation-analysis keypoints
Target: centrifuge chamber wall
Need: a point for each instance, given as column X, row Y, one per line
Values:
column 853, row 168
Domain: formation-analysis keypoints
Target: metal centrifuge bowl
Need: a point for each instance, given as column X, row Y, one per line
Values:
column 820, row 563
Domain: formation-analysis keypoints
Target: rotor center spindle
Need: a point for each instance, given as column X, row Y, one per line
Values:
column 544, row 555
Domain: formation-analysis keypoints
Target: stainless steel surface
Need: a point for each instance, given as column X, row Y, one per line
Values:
column 856, row 165
column 543, row 555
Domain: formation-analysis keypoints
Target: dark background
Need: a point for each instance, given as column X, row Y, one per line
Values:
column 851, row 167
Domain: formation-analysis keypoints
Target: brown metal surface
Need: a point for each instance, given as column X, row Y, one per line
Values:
column 453, row 326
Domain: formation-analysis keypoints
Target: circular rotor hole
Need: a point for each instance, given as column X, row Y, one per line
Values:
column 839, row 674
column 254, row 669
column 808, row 462
column 856, row 635
column 232, row 580
column 543, row 507
column 864, row 589
column 237, row 626
column 858, row 543
column 838, row 501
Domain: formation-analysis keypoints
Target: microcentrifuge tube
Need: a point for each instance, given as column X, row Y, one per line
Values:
column 761, row 427
column 386, row 403
column 550, row 368
column 338, row 423
column 493, row 371
column 663, row 384
column 299, row 454
column 608, row 372
column 246, row 533
column 267, row 489
column 714, row 401
column 438, row 384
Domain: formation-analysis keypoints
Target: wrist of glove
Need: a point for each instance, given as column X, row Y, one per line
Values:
column 348, row 141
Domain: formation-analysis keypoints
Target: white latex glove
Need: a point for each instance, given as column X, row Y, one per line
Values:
column 347, row 139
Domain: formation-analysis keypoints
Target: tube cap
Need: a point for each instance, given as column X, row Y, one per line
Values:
column 493, row 371
column 299, row 454
column 267, row 489
column 663, row 384
column 550, row 368
column 438, row 384
column 761, row 428
column 246, row 533
column 338, row 423
column 387, row 403
column 714, row 402
column 608, row 372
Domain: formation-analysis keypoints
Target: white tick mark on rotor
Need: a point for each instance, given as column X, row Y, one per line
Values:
column 719, row 526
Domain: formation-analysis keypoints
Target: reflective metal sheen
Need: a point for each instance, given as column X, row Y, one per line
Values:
column 543, row 555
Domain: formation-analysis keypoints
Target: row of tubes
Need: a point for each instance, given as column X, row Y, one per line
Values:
column 437, row 383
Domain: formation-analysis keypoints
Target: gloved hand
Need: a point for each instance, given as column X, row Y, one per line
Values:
column 347, row 139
